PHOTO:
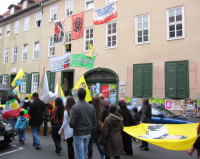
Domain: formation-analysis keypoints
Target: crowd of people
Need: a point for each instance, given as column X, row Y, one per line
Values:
column 83, row 124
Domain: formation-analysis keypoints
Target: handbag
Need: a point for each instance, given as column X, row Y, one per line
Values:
column 101, row 126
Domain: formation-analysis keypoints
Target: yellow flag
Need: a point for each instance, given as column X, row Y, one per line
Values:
column 60, row 91
column 178, row 137
column 91, row 51
column 18, row 79
column 29, row 96
column 16, row 91
column 81, row 84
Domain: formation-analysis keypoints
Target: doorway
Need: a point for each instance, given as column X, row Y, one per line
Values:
column 12, row 77
column 67, row 80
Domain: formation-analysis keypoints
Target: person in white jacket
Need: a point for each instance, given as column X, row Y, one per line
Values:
column 68, row 132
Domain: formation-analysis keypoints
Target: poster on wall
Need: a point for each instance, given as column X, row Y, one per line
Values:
column 134, row 101
column 168, row 105
column 59, row 32
column 112, row 98
column 122, row 90
column 128, row 100
column 81, row 60
column 105, row 14
column 112, row 89
column 105, row 90
column 173, row 104
column 97, row 88
column 93, row 90
column 77, row 26
column 60, row 63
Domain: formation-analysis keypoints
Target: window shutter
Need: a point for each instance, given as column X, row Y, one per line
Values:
column 147, row 80
column 48, row 78
column 1, row 79
column 8, row 80
column 52, row 83
column 137, row 80
column 170, row 80
column 28, row 83
column 182, row 80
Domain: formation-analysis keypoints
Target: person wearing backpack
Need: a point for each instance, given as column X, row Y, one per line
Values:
column 46, row 118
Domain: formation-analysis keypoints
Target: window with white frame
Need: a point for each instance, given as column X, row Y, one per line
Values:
column 0, row 32
column 51, row 47
column 5, row 56
column 16, row 29
column 36, row 48
column 69, row 7
column 38, row 17
column 23, row 85
column 8, row 30
column 88, row 38
column 24, row 52
column 34, row 83
column 142, row 28
column 111, row 34
column 110, row 1
column 53, row 13
column 12, row 10
column 68, row 43
column 26, row 23
column 5, row 79
column 89, row 4
column 24, row 4
column 175, row 23
column 14, row 55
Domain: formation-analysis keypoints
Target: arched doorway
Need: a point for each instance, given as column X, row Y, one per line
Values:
column 105, row 78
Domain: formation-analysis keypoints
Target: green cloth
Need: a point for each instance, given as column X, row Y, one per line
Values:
column 82, row 60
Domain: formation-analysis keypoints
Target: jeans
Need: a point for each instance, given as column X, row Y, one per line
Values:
column 12, row 120
column 70, row 148
column 21, row 135
column 118, row 157
column 81, row 145
column 35, row 131
column 90, row 151
column 45, row 128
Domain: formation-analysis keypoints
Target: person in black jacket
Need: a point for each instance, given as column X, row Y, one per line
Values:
column 36, row 117
column 127, row 121
column 26, row 104
column 105, row 112
column 145, row 113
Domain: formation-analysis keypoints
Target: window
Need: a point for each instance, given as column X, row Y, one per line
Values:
column 36, row 50
column 12, row 10
column 23, row 85
column 24, row 4
column 142, row 80
column 5, row 79
column 24, row 52
column 14, row 55
column 89, row 4
column 5, row 56
column 51, row 47
column 8, row 30
column 175, row 23
column 34, row 83
column 155, row 112
column 142, row 29
column 111, row 35
column 110, row 1
column 26, row 23
column 88, row 38
column 177, row 79
column 16, row 30
column 53, row 13
column 69, row 7
column 38, row 20
column 68, row 43
column 0, row 32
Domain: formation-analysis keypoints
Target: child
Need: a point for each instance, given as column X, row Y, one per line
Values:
column 1, row 111
column 21, row 124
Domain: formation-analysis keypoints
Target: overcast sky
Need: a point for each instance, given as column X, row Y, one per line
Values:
column 5, row 3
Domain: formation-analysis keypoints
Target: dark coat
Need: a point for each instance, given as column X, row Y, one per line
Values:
column 95, row 133
column 145, row 113
column 36, row 112
column 111, row 138
column 104, row 114
column 136, row 118
column 26, row 105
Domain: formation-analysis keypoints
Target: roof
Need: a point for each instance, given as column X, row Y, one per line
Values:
column 18, row 7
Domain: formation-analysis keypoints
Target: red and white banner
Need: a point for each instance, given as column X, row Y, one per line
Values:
column 105, row 14
column 77, row 26
column 59, row 32
column 105, row 90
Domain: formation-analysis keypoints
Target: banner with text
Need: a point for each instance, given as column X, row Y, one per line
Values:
column 105, row 14
column 82, row 60
column 60, row 63
column 59, row 32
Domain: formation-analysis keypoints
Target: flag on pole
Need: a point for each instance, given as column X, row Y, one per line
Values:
column 16, row 91
column 12, row 109
column 18, row 79
column 59, row 91
column 92, row 51
column 81, row 84
column 29, row 96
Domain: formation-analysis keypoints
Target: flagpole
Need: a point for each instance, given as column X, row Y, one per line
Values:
column 41, row 80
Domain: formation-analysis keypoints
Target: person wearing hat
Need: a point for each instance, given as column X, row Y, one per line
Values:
column 26, row 104
column 36, row 118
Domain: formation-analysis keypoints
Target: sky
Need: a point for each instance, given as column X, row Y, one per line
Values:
column 5, row 3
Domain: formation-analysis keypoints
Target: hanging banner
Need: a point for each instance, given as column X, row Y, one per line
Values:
column 60, row 63
column 59, row 32
column 82, row 60
column 105, row 14
column 77, row 26
column 105, row 90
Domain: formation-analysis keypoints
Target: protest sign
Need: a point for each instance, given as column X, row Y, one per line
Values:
column 82, row 60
